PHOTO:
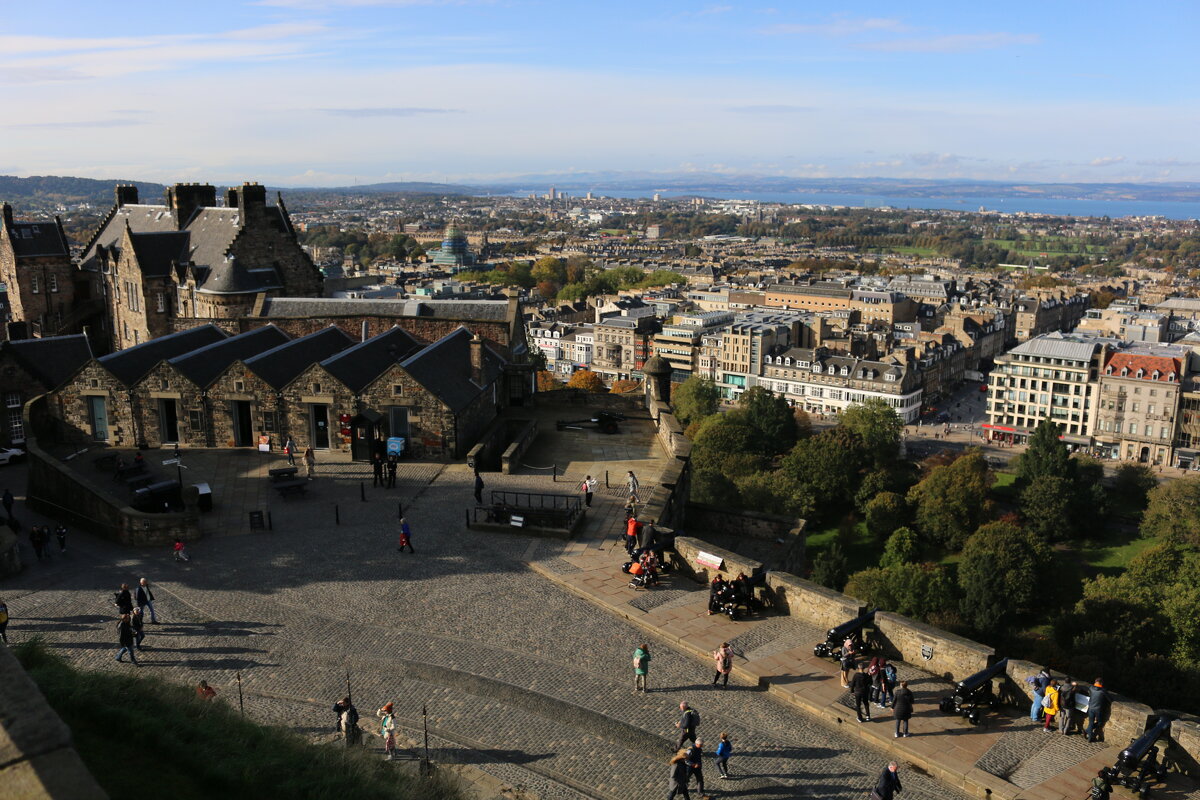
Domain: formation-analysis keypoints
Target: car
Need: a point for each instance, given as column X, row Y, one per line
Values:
column 10, row 454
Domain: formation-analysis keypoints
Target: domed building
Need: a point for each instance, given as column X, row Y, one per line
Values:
column 454, row 252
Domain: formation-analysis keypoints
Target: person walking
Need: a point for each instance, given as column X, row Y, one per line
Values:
column 377, row 470
column 3, row 621
column 289, row 449
column 8, row 503
column 124, row 600
column 723, row 656
column 695, row 762
column 180, row 551
column 405, row 537
column 902, row 709
column 138, row 623
column 680, row 774
column 387, row 730
column 1050, row 706
column 724, row 750
column 588, row 487
column 1097, row 710
column 888, row 783
column 393, row 463
column 145, row 599
column 687, row 724
column 633, row 487
column 347, row 716
column 60, row 533
column 848, row 660
column 1066, row 706
column 125, row 638
column 641, row 667
column 310, row 462
column 478, row 489
column 860, row 688
column 204, row 691
column 1039, row 681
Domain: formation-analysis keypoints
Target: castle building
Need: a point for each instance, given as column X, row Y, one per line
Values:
column 37, row 274
column 192, row 259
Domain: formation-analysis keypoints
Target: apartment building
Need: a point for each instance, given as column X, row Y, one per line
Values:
column 622, row 346
column 1047, row 312
column 824, row 382
column 1139, row 401
column 678, row 342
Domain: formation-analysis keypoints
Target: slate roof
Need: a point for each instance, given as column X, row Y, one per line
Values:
column 357, row 366
column 132, row 363
column 38, row 239
column 303, row 307
column 1057, row 345
column 202, row 366
column 444, row 368
column 156, row 251
column 280, row 365
column 54, row 359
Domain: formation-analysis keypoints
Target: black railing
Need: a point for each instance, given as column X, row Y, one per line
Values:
column 526, row 509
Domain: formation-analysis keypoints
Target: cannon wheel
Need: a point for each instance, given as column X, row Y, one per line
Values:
column 974, row 716
column 946, row 706
column 609, row 427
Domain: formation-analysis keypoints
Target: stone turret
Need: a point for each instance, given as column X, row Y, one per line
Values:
column 658, row 378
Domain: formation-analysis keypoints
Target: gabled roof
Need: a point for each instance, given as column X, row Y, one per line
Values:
column 280, row 365
column 156, row 251
column 38, row 239
column 130, row 364
column 204, row 365
column 301, row 307
column 444, row 369
column 1168, row 366
column 359, row 365
column 52, row 360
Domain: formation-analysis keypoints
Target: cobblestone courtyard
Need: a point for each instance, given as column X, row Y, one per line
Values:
column 521, row 678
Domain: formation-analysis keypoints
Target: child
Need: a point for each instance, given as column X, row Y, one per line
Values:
column 724, row 748
column 180, row 553
column 405, row 537
column 387, row 730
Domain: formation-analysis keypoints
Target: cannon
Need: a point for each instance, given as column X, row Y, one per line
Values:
column 605, row 422
column 851, row 629
column 1138, row 767
column 973, row 695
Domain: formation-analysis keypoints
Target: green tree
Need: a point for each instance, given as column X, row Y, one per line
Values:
column 830, row 567
column 1001, row 574
column 803, row 424
column 768, row 492
column 770, row 416
column 899, row 479
column 903, row 547
column 952, row 500
column 878, row 426
column 1173, row 512
column 886, row 512
column 917, row 590
column 1046, row 456
column 695, row 399
column 825, row 468
column 1133, row 482
column 587, row 380
column 1047, row 507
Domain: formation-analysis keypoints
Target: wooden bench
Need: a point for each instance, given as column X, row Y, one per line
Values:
column 283, row 473
column 295, row 486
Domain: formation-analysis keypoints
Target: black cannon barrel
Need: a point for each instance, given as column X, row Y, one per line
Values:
column 968, row 685
column 851, row 626
column 1132, row 756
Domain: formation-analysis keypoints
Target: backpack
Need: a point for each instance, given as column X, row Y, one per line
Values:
column 889, row 672
column 1047, row 700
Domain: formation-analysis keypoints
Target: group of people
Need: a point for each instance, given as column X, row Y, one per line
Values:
column 346, row 724
column 131, row 606
column 877, row 682
column 1055, row 705
column 39, row 537
column 688, row 761
column 726, row 596
column 380, row 465
column 310, row 457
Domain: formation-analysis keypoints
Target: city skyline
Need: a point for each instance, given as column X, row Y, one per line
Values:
column 329, row 92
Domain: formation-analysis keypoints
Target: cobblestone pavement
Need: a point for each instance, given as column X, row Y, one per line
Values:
column 526, row 679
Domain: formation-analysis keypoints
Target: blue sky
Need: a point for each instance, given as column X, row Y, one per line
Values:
column 326, row 92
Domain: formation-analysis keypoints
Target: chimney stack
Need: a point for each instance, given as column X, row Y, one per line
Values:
column 477, row 359
column 126, row 194
column 186, row 198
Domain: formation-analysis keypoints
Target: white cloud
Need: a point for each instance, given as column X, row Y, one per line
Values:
column 1106, row 161
column 714, row 10
column 772, row 108
column 953, row 43
column 840, row 26
column 398, row 111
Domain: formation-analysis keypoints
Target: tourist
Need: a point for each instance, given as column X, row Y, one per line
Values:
column 310, row 462
column 204, row 691
column 347, row 721
column 632, row 529
column 888, row 783
column 687, row 724
column 377, row 470
column 1097, row 708
column 1050, row 704
column 724, row 750
column 60, row 533
column 632, row 486
column 847, row 662
column 35, row 539
column 478, row 489
column 588, row 487
column 405, row 537
column 387, row 730
column 180, row 552
column 138, row 623
column 723, row 656
column 874, row 667
column 289, row 449
column 1066, row 707
column 145, row 599
column 680, row 775
column 125, row 638
column 695, row 762
column 641, row 667
column 3, row 621
column 649, row 564
column 124, row 600
column 902, row 709
column 1039, row 682
column 393, row 463
column 860, row 688
column 887, row 683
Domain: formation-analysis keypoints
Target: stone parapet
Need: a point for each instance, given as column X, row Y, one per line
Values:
column 687, row 549
column 933, row 650
column 1127, row 718
column 811, row 601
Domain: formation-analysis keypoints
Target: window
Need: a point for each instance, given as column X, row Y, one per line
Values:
column 160, row 302
column 54, row 283
column 239, row 386
column 270, row 421
column 126, row 329
column 16, row 425
column 316, row 387
column 12, row 399
column 164, row 384
column 397, row 389
column 196, row 419
column 33, row 283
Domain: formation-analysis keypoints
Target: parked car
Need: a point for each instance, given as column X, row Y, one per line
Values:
column 10, row 454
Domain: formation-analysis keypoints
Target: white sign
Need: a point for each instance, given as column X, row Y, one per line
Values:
column 516, row 522
column 167, row 462
column 709, row 560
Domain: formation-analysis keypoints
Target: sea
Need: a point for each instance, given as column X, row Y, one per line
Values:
column 1010, row 205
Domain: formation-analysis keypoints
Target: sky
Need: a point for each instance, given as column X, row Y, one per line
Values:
column 333, row 92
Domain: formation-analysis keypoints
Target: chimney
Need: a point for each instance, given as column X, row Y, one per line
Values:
column 126, row 194
column 251, row 200
column 186, row 198
column 477, row 359
column 364, row 331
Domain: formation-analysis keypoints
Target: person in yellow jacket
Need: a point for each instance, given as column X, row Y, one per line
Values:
column 1050, row 704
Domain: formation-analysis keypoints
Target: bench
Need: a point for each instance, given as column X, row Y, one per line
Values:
column 296, row 486
column 283, row 473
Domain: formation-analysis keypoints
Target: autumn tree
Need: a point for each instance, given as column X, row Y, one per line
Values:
column 548, row 381
column 587, row 380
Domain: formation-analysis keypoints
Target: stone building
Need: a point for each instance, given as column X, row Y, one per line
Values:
column 30, row 367
column 622, row 346
column 823, row 382
column 1139, row 401
column 190, row 259
column 37, row 275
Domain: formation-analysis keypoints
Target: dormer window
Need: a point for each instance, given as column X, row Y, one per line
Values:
column 1108, row 370
column 1124, row 371
column 1170, row 377
column 1154, row 375
column 1140, row 373
column 788, row 361
column 816, row 368
column 845, row 371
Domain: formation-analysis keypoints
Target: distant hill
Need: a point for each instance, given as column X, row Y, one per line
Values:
column 407, row 187
column 43, row 190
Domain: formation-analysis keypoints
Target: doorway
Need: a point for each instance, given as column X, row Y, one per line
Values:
column 369, row 431
column 319, row 421
column 243, row 425
column 168, row 421
column 98, row 416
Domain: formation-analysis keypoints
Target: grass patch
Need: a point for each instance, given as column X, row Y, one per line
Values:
column 1112, row 557
column 862, row 551
column 190, row 748
column 1004, row 490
